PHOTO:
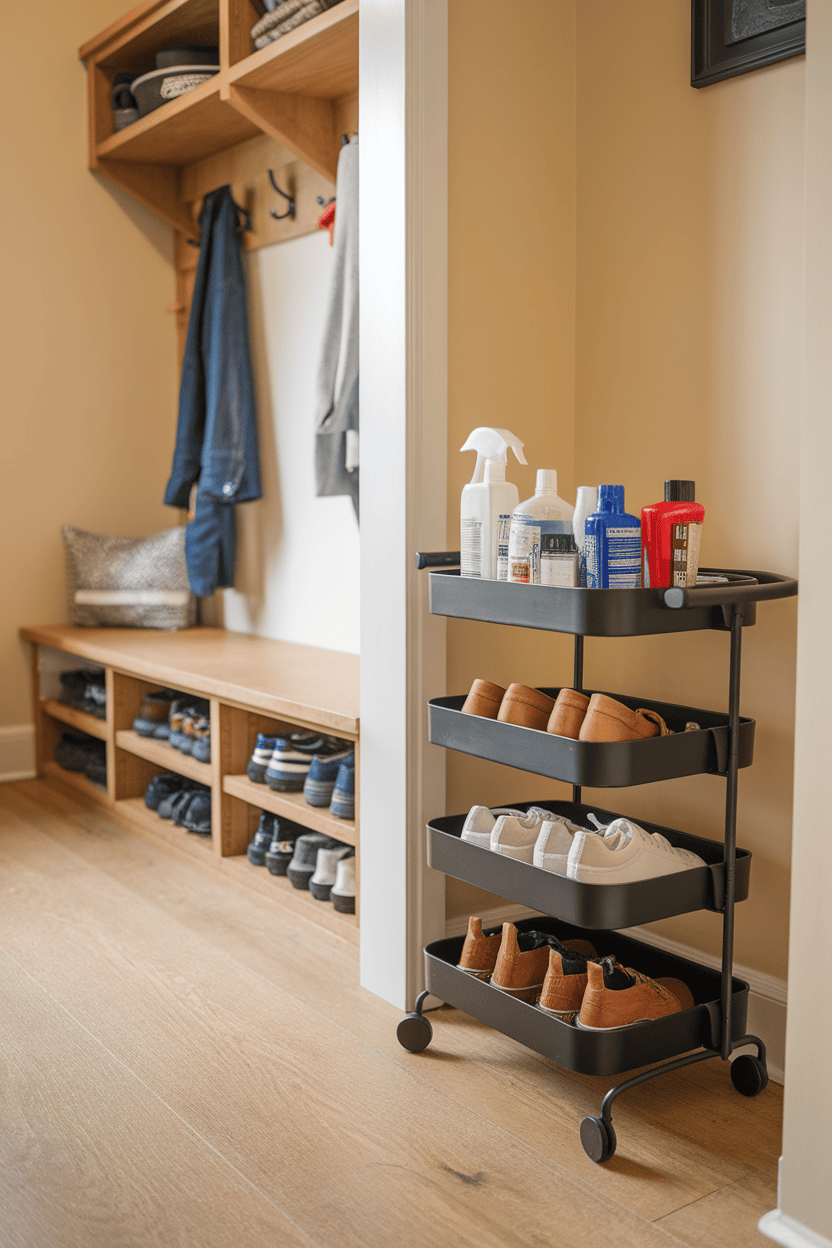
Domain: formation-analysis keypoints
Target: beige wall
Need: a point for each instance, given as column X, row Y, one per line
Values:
column 87, row 351
column 686, row 328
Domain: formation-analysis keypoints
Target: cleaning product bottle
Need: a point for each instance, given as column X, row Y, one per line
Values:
column 545, row 513
column 671, row 533
column 613, row 543
column 584, row 506
column 487, row 500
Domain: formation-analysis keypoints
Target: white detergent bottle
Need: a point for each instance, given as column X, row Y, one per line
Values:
column 584, row 506
column 544, row 516
column 487, row 503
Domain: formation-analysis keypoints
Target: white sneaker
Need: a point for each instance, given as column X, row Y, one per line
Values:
column 342, row 894
column 625, row 852
column 554, row 841
column 516, row 835
column 479, row 823
column 320, row 883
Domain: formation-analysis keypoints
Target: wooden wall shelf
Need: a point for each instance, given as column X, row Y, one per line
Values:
column 300, row 91
column 254, row 685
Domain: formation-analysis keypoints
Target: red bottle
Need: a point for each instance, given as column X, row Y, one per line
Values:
column 671, row 533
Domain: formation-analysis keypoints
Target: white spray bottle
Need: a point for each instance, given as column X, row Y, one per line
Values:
column 487, row 503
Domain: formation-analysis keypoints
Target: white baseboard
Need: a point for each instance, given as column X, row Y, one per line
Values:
column 766, row 1001
column 789, row 1232
column 17, row 753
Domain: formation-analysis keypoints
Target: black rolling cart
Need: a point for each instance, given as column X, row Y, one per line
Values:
column 715, row 1025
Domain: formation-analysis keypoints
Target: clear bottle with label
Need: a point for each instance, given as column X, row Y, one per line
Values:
column 545, row 514
column 613, row 543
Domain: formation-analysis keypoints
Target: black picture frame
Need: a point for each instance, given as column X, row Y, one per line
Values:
column 731, row 37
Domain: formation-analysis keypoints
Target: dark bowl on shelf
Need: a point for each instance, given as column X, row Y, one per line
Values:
column 169, row 58
column 160, row 86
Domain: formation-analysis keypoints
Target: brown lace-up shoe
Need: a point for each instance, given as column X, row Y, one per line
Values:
column 529, row 708
column 564, row 985
column 483, row 699
column 523, row 960
column 479, row 953
column 608, row 720
column 568, row 713
column 617, row 997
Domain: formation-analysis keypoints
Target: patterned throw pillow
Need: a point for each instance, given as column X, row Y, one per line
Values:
column 128, row 582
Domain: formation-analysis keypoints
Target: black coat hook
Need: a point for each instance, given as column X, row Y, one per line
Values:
column 242, row 228
column 324, row 202
column 290, row 211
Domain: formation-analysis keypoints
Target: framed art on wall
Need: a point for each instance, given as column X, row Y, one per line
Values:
column 730, row 37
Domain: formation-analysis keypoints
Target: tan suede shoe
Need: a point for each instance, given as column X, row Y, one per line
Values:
column 523, row 959
column 568, row 713
column 529, row 708
column 479, row 953
column 483, row 699
column 608, row 720
column 617, row 997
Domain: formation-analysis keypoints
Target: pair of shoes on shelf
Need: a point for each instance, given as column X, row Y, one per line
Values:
column 154, row 713
column 311, row 860
column 286, row 763
column 568, row 980
column 84, row 689
column 331, row 782
column 77, row 751
column 190, row 727
column 614, row 853
column 185, row 802
column 571, row 714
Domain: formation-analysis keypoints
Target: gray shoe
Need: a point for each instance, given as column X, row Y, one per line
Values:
column 305, row 857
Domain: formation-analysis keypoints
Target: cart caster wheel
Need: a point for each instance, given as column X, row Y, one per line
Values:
column 598, row 1139
column 748, row 1075
column 414, row 1033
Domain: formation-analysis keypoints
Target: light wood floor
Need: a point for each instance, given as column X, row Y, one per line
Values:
column 180, row 1066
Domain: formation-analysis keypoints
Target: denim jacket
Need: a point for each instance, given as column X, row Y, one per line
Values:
column 216, row 437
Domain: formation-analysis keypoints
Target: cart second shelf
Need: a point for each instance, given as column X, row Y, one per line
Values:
column 589, row 905
column 593, row 1052
column 598, row 764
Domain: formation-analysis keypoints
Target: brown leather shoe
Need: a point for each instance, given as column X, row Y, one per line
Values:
column 529, row 708
column 483, row 699
column 523, row 958
column 564, row 985
column 479, row 953
column 608, row 720
column 617, row 997
column 568, row 713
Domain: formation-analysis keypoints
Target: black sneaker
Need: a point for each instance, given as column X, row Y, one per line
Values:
column 197, row 814
column 279, row 854
column 262, row 839
column 165, row 784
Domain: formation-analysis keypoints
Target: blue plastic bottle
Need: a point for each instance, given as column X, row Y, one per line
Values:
column 613, row 543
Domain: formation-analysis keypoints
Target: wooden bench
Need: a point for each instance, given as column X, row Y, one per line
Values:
column 254, row 685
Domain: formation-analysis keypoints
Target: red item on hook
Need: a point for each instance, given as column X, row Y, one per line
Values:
column 326, row 221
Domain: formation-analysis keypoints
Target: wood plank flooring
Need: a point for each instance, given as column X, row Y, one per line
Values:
column 179, row 1065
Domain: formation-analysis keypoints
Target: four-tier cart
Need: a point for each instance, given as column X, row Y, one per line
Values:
column 723, row 743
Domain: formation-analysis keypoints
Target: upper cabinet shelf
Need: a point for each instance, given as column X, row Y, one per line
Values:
column 300, row 90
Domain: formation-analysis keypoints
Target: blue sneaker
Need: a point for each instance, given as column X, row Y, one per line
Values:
column 261, row 757
column 323, row 772
column 293, row 756
column 343, row 795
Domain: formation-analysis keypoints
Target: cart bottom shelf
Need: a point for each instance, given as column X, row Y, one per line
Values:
column 591, row 1052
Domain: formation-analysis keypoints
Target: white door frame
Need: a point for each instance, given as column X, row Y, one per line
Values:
column 403, row 77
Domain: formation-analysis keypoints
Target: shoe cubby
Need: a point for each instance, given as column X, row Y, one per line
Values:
column 590, row 905
column 252, row 685
column 593, row 1052
column 721, row 744
column 616, row 764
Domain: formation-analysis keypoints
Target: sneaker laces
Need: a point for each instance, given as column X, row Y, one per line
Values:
column 640, row 978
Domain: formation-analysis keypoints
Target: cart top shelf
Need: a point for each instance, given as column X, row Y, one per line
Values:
column 604, row 612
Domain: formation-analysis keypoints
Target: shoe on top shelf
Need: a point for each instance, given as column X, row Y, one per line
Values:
column 85, row 689
column 342, row 894
column 321, row 777
column 152, row 719
column 617, row 997
column 183, row 711
column 292, row 757
column 624, row 853
column 201, row 746
column 326, row 865
column 343, row 794
column 260, row 758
